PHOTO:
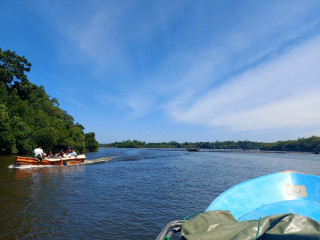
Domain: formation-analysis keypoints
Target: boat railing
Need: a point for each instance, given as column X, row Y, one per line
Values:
column 170, row 229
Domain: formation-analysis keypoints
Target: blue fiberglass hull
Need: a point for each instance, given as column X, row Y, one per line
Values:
column 284, row 192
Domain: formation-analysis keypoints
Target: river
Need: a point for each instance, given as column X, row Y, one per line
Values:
column 132, row 196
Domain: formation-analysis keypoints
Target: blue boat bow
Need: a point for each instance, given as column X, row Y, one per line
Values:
column 278, row 193
column 284, row 204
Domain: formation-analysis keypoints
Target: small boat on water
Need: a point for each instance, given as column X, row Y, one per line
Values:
column 50, row 161
column 193, row 149
column 284, row 204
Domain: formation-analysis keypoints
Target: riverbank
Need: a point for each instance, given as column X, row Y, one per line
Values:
column 229, row 151
column 303, row 145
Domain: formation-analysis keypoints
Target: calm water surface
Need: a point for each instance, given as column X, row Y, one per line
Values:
column 130, row 197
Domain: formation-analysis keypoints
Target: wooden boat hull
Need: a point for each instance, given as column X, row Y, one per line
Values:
column 59, row 161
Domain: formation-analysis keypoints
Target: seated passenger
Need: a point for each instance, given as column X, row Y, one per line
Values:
column 50, row 155
column 73, row 153
column 68, row 152
column 61, row 154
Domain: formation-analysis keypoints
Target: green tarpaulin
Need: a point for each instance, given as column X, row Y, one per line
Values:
column 221, row 225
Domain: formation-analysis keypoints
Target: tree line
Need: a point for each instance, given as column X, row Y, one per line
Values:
column 30, row 117
column 174, row 144
column 311, row 144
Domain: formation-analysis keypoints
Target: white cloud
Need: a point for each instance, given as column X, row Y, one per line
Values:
column 190, row 71
column 98, row 38
column 280, row 93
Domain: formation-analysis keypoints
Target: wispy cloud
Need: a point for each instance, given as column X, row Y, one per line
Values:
column 190, row 72
column 280, row 93
column 98, row 39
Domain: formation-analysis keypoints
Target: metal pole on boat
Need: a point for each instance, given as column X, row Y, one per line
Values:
column 171, row 228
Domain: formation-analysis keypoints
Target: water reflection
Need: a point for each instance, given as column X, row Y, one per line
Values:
column 36, row 201
column 22, row 173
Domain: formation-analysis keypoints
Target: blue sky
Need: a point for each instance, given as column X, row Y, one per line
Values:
column 175, row 70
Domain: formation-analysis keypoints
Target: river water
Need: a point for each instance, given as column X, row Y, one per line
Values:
column 132, row 196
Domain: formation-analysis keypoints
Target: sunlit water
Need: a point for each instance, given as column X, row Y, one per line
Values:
column 125, row 193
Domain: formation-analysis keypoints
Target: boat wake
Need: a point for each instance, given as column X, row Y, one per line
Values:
column 98, row 160
column 30, row 166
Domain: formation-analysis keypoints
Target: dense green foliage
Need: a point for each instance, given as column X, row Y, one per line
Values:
column 173, row 144
column 91, row 142
column 28, row 116
column 311, row 144
column 12, row 68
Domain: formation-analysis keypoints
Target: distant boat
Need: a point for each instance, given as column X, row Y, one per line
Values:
column 50, row 161
column 193, row 149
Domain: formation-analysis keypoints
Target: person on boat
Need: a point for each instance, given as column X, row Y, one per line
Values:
column 68, row 152
column 39, row 154
column 61, row 154
column 72, row 153
column 50, row 155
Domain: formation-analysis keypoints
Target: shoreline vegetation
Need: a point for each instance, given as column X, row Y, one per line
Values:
column 30, row 117
column 306, row 145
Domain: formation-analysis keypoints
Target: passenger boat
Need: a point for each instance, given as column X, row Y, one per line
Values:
column 50, row 161
column 284, row 204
